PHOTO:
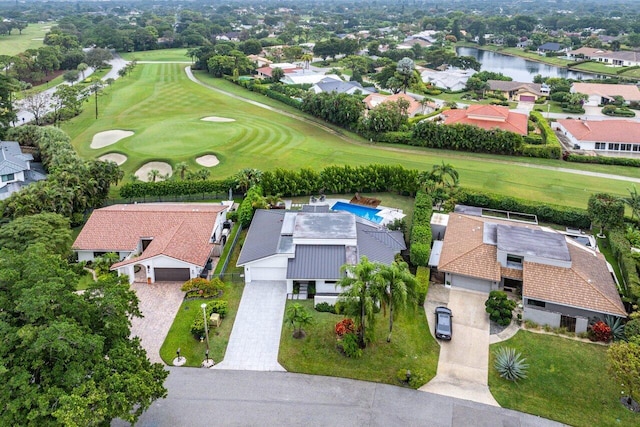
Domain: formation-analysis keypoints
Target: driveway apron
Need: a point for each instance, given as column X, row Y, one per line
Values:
column 255, row 338
column 463, row 364
column 159, row 303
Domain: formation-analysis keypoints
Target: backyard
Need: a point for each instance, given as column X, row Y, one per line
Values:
column 263, row 139
column 412, row 348
column 567, row 382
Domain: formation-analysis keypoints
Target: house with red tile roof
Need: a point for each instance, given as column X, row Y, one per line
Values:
column 488, row 117
column 601, row 93
column 415, row 107
column 604, row 136
column 563, row 282
column 168, row 241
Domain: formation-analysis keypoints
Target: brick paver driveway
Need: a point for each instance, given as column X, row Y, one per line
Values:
column 159, row 303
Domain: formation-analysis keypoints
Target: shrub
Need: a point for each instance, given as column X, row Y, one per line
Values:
column 325, row 307
column 510, row 365
column 603, row 160
column 499, row 307
column 616, row 326
column 632, row 329
column 247, row 209
column 204, row 288
column 197, row 326
column 420, row 240
column 218, row 306
column 621, row 249
column 350, row 346
column 345, row 326
column 601, row 331
column 422, row 277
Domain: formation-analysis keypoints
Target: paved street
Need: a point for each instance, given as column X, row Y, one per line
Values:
column 206, row 397
column 159, row 303
column 255, row 338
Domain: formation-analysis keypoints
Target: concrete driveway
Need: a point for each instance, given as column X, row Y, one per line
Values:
column 159, row 303
column 463, row 364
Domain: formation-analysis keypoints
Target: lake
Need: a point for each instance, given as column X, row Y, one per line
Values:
column 519, row 69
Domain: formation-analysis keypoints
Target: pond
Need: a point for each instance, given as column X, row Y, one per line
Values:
column 519, row 69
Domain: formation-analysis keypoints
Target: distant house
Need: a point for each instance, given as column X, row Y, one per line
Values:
column 488, row 117
column 518, row 91
column 259, row 60
column 604, row 137
column 410, row 42
column 299, row 77
column 450, row 79
column 308, row 248
column 600, row 93
column 166, row 241
column 16, row 169
column 550, row 47
column 415, row 107
column 267, row 70
column 589, row 53
column 563, row 283
column 623, row 58
column 331, row 85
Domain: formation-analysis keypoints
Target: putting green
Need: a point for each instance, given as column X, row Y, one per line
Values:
column 164, row 110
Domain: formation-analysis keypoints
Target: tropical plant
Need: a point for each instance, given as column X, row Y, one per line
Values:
column 182, row 168
column 218, row 306
column 510, row 365
column 200, row 287
column 103, row 263
column 350, row 346
column 601, row 331
column 298, row 317
column 617, row 327
column 632, row 330
column 398, row 289
column 605, row 210
column 153, row 174
column 633, row 201
column 624, row 364
column 499, row 307
column 345, row 326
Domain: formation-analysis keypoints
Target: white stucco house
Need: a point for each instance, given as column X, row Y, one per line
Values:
column 604, row 137
column 307, row 248
column 168, row 241
column 600, row 93
column 563, row 283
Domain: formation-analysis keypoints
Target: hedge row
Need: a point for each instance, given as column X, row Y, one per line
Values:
column 555, row 214
column 602, row 160
column 420, row 240
column 621, row 249
column 422, row 277
column 549, row 138
column 134, row 190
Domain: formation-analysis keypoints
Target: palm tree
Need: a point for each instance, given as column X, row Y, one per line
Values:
column 298, row 316
column 445, row 174
column 633, row 201
column 182, row 169
column 82, row 67
column 424, row 102
column 398, row 288
column 153, row 175
column 307, row 58
column 359, row 296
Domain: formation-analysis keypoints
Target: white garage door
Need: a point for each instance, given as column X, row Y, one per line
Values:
column 471, row 283
column 268, row 273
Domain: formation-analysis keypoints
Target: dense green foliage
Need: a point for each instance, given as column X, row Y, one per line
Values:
column 549, row 138
column 603, row 160
column 605, row 211
column 139, row 189
column 499, row 307
column 545, row 212
column 52, row 230
column 68, row 359
column 338, row 108
column 247, row 207
column 621, row 249
column 422, row 276
column 420, row 240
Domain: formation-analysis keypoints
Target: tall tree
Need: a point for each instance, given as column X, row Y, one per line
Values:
column 68, row 359
column 37, row 103
column 398, row 289
column 52, row 230
column 359, row 296
column 7, row 114
column 605, row 211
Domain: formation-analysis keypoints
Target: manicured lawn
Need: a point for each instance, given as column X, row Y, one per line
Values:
column 634, row 74
column 595, row 67
column 412, row 347
column 158, row 55
column 264, row 139
column 567, row 382
column 31, row 38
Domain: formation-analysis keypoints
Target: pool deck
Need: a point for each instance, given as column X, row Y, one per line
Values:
column 388, row 214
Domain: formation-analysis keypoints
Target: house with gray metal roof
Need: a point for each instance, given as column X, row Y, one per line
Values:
column 330, row 85
column 307, row 248
column 16, row 169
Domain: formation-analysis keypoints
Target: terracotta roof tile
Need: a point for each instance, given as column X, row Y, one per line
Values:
column 626, row 131
column 180, row 231
column 488, row 117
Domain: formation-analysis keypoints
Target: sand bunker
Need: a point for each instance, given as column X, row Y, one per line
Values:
column 217, row 119
column 162, row 167
column 114, row 157
column 38, row 38
column 208, row 160
column 106, row 138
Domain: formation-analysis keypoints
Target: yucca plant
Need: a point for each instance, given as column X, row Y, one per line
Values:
column 617, row 327
column 510, row 365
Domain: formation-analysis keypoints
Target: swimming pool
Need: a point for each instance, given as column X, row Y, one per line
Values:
column 370, row 214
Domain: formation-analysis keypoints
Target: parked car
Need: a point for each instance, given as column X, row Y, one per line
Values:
column 443, row 323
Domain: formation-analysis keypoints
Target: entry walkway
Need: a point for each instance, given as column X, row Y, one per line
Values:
column 255, row 338
column 463, row 364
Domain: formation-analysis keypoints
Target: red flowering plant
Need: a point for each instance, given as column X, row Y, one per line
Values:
column 345, row 326
column 601, row 331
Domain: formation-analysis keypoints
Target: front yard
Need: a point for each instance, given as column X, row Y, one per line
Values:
column 567, row 382
column 412, row 348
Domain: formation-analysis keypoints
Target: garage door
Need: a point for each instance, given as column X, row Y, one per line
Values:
column 268, row 273
column 172, row 274
column 527, row 98
column 471, row 283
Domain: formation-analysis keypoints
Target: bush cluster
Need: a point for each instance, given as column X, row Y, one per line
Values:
column 247, row 209
column 420, row 240
column 553, row 148
column 422, row 277
column 499, row 307
column 556, row 214
column 203, row 288
column 325, row 307
column 603, row 160
column 133, row 190
column 621, row 249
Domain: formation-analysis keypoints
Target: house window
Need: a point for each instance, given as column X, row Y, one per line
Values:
column 8, row 177
column 614, row 146
column 568, row 322
column 536, row 303
column 625, row 147
column 636, row 147
column 514, row 261
column 601, row 146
